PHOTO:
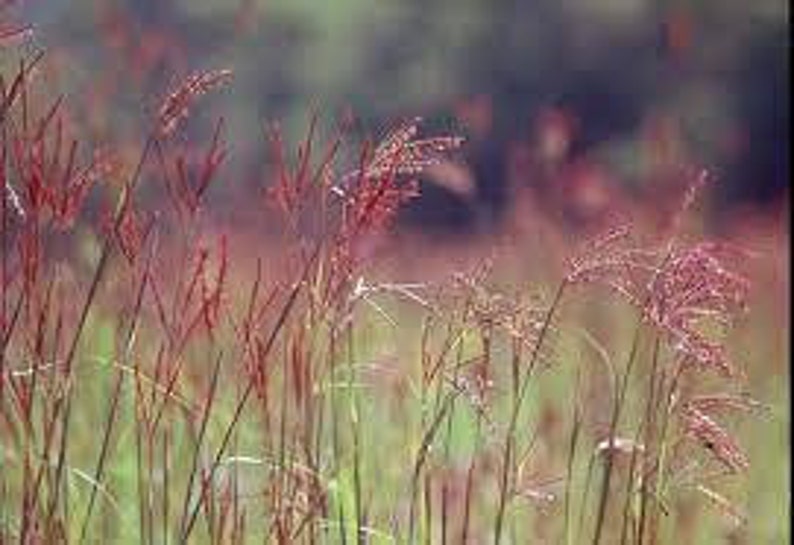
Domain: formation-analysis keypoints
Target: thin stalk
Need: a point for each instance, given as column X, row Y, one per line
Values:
column 114, row 403
column 115, row 396
column 143, row 496
column 428, row 497
column 447, row 451
column 96, row 280
column 661, row 464
column 577, row 421
column 585, row 496
column 421, row 457
column 509, row 446
column 355, row 431
column 336, row 445
column 655, row 382
column 166, row 506
column 279, row 500
column 249, row 388
column 197, row 448
column 630, row 488
column 465, row 523
column 616, row 412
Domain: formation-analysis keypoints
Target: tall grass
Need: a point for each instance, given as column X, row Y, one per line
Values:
column 156, row 388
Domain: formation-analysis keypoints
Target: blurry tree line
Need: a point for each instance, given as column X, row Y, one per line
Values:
column 630, row 88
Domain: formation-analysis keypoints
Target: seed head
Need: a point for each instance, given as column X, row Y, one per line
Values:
column 176, row 107
column 711, row 435
column 400, row 153
column 693, row 290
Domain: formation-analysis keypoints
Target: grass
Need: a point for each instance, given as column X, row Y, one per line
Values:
column 182, row 385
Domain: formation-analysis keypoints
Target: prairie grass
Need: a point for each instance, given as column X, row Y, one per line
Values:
column 165, row 379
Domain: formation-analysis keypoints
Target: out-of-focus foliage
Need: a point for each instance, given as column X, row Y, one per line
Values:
column 710, row 76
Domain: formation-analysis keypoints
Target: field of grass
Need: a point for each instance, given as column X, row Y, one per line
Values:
column 308, row 377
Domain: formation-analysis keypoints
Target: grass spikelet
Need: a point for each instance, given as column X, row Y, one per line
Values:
column 176, row 106
column 714, row 438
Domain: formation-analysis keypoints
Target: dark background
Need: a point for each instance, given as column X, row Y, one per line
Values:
column 711, row 75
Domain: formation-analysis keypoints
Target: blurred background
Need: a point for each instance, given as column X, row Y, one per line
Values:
column 574, row 105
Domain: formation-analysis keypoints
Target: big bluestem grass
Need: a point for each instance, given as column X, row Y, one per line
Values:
column 155, row 390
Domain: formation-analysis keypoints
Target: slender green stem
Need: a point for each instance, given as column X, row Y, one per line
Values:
column 617, row 406
column 509, row 446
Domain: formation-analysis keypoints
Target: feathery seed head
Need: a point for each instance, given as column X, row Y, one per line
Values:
column 176, row 106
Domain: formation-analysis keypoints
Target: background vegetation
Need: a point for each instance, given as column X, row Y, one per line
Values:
column 355, row 326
